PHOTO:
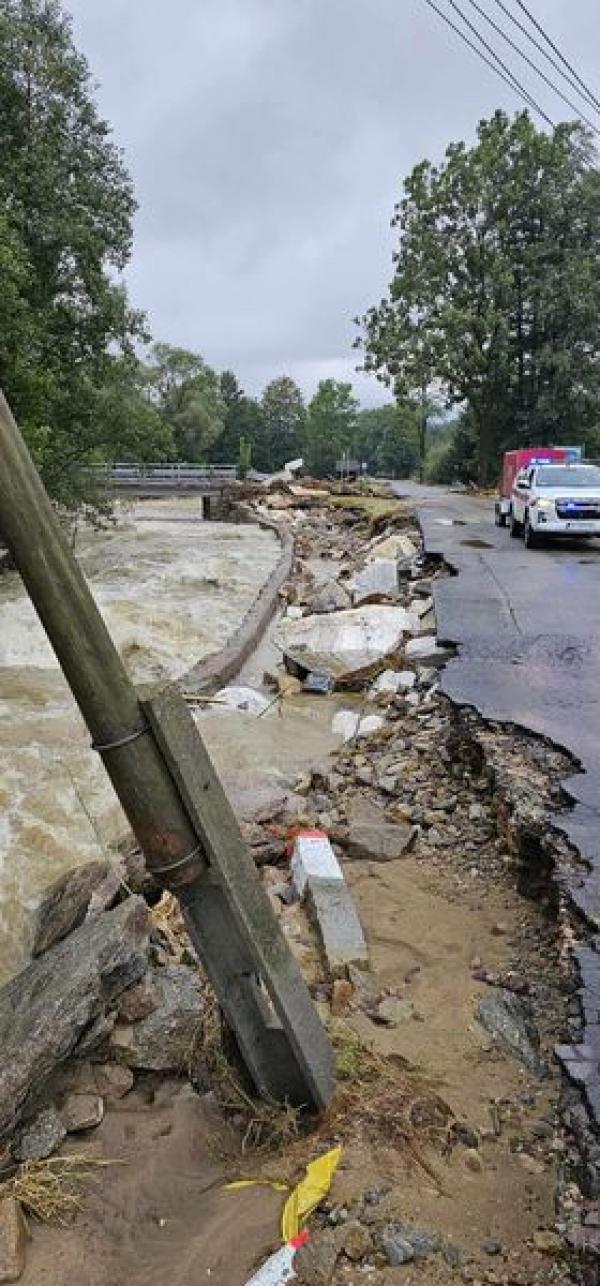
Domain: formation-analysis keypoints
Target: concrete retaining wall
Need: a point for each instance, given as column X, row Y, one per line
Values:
column 214, row 671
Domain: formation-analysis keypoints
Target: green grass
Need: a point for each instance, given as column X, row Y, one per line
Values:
column 373, row 506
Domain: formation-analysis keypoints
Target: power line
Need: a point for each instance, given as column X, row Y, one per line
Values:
column 586, row 95
column 509, row 79
column 515, row 84
column 543, row 33
column 536, row 69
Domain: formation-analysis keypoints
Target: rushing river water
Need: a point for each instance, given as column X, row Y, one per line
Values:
column 171, row 589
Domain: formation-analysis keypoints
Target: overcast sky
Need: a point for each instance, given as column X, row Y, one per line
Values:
column 268, row 140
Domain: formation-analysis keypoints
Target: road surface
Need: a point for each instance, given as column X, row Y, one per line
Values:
column 527, row 627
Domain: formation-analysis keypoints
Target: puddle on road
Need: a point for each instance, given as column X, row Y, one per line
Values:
column 475, row 543
column 172, row 589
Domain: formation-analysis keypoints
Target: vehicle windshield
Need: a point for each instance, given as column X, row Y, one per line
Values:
column 574, row 476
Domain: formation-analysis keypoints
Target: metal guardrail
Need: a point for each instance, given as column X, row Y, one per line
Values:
column 167, row 476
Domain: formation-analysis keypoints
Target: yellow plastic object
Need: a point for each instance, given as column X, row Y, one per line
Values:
column 309, row 1193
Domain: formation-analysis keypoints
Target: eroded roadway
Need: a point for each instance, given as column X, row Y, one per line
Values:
column 527, row 627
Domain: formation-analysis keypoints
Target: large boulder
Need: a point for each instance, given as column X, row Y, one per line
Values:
column 165, row 1040
column 66, row 904
column 48, row 1009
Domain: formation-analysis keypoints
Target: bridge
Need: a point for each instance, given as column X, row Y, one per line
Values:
column 157, row 479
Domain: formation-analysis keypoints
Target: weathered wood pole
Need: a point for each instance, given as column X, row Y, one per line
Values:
column 290, row 1057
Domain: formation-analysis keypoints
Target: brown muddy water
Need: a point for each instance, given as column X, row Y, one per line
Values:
column 172, row 589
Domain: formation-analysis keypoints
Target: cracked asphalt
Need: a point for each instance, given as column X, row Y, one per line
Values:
column 526, row 624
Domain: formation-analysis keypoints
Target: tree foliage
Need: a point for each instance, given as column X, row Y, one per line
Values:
column 242, row 421
column 387, row 439
column 66, row 206
column 496, row 290
column 282, row 422
column 187, row 395
column 329, row 427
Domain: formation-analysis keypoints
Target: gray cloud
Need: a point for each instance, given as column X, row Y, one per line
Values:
column 268, row 140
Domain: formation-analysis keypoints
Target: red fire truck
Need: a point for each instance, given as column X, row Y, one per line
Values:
column 512, row 464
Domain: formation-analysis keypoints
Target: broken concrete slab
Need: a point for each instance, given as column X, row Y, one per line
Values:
column 349, row 645
column 386, row 684
column 241, row 698
column 338, row 925
column 348, row 724
column 331, row 597
column 427, row 649
column 313, row 857
column 47, row 1009
column 397, row 546
column 319, row 879
column 421, row 606
column 406, row 680
column 376, row 581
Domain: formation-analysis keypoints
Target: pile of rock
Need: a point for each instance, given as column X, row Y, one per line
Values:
column 106, row 996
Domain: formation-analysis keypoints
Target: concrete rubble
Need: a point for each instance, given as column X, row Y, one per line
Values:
column 399, row 788
column 349, row 645
column 318, row 879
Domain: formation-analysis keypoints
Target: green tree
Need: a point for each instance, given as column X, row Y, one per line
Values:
column 329, row 427
column 452, row 454
column 283, row 415
column 496, row 289
column 242, row 420
column 65, row 236
column 187, row 395
column 387, row 438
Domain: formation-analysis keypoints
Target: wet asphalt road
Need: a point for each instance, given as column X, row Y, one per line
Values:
column 527, row 627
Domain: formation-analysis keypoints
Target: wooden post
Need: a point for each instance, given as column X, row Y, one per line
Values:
column 168, row 829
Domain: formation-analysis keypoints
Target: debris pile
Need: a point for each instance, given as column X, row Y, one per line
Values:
column 404, row 788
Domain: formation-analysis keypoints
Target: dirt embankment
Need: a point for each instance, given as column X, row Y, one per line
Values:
column 447, row 1106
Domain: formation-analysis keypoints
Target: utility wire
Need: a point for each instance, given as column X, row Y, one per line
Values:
column 506, row 75
column 536, row 69
column 567, row 64
column 508, row 80
column 585, row 94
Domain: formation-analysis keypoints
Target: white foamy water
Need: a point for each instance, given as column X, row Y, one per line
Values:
column 171, row 589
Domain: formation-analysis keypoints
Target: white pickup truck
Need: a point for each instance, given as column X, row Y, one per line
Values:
column 555, row 500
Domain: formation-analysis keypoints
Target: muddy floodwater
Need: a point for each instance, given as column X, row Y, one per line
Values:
column 172, row 589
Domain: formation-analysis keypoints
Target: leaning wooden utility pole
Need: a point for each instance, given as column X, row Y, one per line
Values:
column 173, row 800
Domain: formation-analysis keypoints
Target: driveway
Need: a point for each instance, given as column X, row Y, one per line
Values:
column 527, row 627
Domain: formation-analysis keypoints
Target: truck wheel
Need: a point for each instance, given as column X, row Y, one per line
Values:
column 530, row 537
column 515, row 527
